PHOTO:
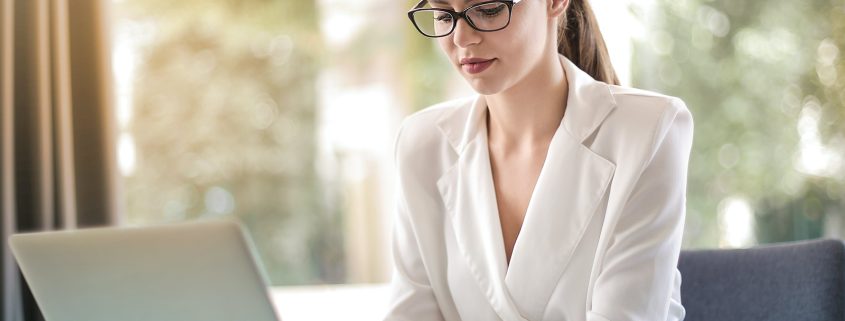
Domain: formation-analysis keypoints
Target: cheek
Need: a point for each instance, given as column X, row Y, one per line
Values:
column 447, row 46
column 528, row 25
column 526, row 30
column 528, row 37
column 518, row 41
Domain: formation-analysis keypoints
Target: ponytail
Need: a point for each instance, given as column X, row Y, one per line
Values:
column 580, row 40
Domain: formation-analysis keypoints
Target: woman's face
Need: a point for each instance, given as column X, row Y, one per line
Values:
column 515, row 51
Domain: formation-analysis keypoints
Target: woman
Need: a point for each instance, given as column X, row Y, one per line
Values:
column 553, row 194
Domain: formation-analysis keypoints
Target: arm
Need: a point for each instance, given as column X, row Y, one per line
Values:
column 639, row 269
column 412, row 297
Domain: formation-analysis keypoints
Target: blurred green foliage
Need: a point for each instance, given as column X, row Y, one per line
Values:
column 764, row 80
column 224, row 122
column 225, row 113
column 224, row 118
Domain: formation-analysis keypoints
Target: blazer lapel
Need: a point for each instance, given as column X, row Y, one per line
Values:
column 469, row 198
column 570, row 187
column 568, row 193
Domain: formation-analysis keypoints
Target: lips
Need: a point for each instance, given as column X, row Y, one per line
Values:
column 476, row 65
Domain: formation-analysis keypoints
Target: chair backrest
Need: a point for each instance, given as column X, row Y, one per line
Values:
column 802, row 280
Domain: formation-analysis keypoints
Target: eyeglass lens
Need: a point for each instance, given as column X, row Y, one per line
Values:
column 485, row 17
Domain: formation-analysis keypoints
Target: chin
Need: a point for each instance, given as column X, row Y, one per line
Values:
column 483, row 86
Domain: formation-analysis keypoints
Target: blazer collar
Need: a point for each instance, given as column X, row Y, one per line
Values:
column 568, row 192
column 588, row 104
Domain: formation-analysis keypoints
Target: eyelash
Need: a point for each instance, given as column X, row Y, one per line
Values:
column 491, row 12
column 488, row 13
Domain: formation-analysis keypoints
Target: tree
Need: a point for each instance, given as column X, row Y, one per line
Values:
column 224, row 123
column 764, row 81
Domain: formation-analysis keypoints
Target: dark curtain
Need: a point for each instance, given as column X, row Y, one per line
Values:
column 58, row 167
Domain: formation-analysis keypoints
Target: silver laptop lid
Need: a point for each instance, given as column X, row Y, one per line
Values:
column 200, row 271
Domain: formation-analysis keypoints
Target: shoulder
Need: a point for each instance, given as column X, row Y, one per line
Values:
column 416, row 125
column 419, row 137
column 643, row 110
column 646, row 104
column 641, row 121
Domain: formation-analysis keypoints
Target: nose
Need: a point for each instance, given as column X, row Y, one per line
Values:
column 464, row 35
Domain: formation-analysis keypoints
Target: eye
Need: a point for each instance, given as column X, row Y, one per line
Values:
column 492, row 10
column 442, row 17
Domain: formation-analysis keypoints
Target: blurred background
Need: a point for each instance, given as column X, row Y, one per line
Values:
column 283, row 113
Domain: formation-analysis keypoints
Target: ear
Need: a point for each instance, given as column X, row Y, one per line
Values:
column 557, row 8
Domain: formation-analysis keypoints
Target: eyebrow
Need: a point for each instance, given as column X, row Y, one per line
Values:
column 445, row 2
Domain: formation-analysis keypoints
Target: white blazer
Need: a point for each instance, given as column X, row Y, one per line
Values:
column 602, row 232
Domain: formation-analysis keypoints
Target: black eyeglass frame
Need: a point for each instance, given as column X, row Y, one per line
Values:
column 463, row 14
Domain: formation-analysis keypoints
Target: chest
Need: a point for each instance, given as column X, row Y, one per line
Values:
column 514, row 179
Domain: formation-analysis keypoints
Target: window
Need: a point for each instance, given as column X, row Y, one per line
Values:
column 765, row 88
column 283, row 114
column 280, row 113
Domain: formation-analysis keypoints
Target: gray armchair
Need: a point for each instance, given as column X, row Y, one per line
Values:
column 796, row 281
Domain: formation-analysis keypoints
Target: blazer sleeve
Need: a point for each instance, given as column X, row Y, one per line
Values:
column 638, row 273
column 411, row 294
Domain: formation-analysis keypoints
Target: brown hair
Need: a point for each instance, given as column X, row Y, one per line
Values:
column 580, row 40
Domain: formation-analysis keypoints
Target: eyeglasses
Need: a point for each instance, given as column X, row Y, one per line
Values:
column 485, row 16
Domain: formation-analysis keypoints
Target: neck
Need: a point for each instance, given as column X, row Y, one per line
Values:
column 529, row 113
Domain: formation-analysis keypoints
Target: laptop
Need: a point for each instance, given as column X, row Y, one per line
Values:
column 198, row 271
